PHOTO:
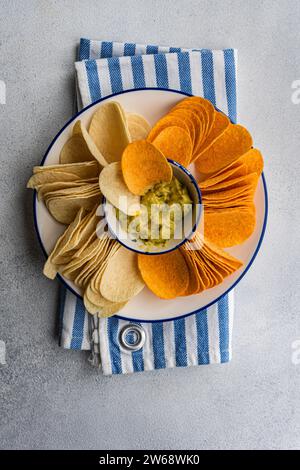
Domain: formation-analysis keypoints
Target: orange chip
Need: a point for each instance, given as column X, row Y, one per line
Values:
column 164, row 122
column 143, row 165
column 247, row 181
column 236, row 171
column 195, row 122
column 229, row 227
column 166, row 275
column 211, row 264
column 231, row 144
column 249, row 162
column 253, row 160
column 195, row 285
column 220, row 124
column 175, row 143
column 201, row 106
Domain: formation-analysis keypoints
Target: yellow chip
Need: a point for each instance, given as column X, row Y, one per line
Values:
column 81, row 170
column 113, row 187
column 121, row 279
column 109, row 131
column 80, row 147
column 138, row 127
column 42, row 178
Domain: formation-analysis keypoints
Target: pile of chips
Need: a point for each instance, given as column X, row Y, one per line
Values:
column 229, row 210
column 196, row 266
column 120, row 155
column 106, row 272
column 66, row 188
column 188, row 130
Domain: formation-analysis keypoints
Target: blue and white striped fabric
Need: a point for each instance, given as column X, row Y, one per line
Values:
column 202, row 338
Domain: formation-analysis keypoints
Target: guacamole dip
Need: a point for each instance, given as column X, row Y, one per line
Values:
column 163, row 208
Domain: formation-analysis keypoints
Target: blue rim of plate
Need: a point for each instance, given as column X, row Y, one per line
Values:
column 189, row 174
column 135, row 319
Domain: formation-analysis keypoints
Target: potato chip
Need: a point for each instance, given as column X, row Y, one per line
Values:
column 138, row 127
column 44, row 189
column 231, row 144
column 102, row 311
column 80, row 147
column 204, row 109
column 229, row 188
column 64, row 209
column 220, row 124
column 109, row 131
column 113, row 187
column 191, row 120
column 167, row 121
column 235, row 170
column 81, row 170
column 195, row 284
column 229, row 227
column 111, row 309
column 143, row 165
column 253, row 160
column 175, row 143
column 51, row 265
column 49, row 177
column 74, row 267
column 121, row 279
column 206, row 261
column 105, row 248
column 166, row 275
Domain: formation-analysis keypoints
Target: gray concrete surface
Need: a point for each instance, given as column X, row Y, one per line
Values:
column 52, row 398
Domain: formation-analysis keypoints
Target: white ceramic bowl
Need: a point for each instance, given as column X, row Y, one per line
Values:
column 190, row 222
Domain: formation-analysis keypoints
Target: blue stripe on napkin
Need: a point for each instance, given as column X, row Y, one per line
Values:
column 202, row 338
column 208, row 76
column 158, row 345
column 138, row 72
column 230, row 80
column 93, row 79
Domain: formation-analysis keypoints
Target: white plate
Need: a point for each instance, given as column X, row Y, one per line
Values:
column 152, row 104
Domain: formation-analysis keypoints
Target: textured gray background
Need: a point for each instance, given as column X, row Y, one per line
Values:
column 52, row 398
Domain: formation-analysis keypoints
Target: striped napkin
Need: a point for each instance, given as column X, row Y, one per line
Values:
column 105, row 68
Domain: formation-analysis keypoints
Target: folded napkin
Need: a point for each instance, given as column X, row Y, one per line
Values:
column 204, row 337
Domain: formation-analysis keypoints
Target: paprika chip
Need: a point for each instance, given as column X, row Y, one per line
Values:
column 231, row 144
column 207, row 262
column 220, row 124
column 175, row 143
column 166, row 121
column 143, row 165
column 166, row 275
column 231, row 226
column 253, row 161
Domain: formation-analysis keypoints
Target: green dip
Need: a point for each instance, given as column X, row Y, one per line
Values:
column 162, row 208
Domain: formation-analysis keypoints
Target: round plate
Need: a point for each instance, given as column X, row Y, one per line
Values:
column 152, row 104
